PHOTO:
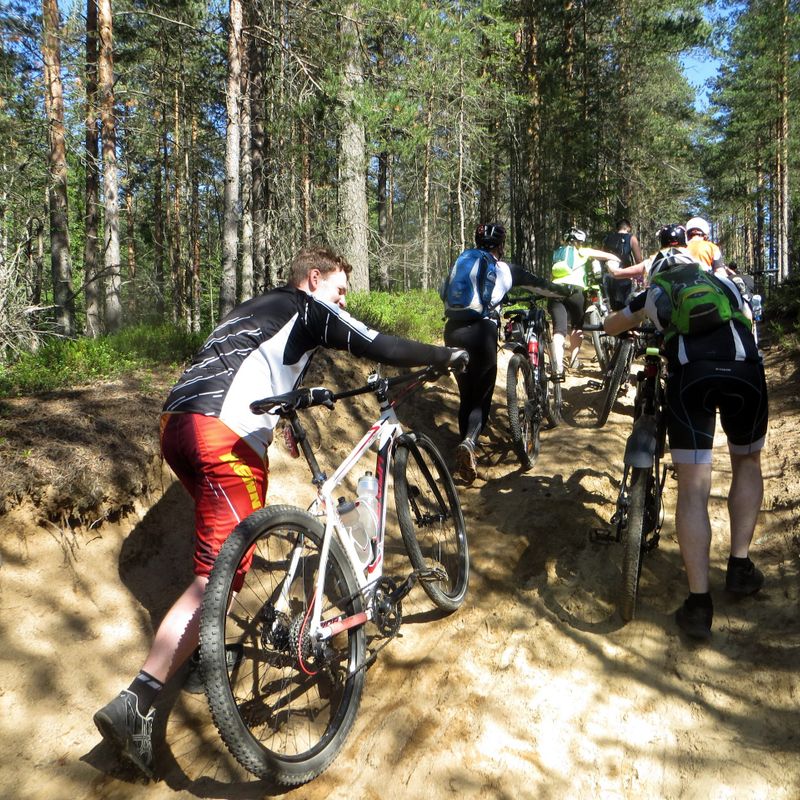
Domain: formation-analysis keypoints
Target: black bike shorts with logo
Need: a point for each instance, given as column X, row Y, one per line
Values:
column 698, row 390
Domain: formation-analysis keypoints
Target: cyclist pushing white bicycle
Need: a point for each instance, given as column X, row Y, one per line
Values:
column 217, row 447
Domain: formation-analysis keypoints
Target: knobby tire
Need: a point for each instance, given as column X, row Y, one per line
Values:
column 524, row 414
column 279, row 722
column 431, row 520
column 639, row 501
column 614, row 378
column 552, row 387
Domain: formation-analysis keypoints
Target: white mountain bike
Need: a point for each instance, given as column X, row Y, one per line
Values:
column 292, row 592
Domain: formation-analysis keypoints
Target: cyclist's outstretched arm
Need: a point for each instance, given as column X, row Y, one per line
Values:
column 522, row 278
column 332, row 327
column 619, row 321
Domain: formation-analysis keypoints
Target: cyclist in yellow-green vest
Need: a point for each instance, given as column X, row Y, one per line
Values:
column 572, row 266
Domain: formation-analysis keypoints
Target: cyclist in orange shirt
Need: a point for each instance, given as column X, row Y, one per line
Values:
column 706, row 252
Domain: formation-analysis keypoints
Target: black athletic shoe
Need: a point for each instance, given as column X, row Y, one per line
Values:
column 743, row 579
column 194, row 680
column 128, row 731
column 695, row 621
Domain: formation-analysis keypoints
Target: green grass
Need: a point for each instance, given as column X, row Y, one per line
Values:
column 61, row 363
column 414, row 315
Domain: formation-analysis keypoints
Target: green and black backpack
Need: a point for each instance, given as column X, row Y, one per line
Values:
column 699, row 300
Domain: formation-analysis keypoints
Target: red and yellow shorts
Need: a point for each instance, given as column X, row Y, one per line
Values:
column 226, row 478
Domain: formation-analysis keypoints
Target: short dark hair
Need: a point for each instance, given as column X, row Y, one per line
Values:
column 624, row 223
column 321, row 258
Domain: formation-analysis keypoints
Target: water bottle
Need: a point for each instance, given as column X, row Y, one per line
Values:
column 367, row 490
column 755, row 304
column 351, row 518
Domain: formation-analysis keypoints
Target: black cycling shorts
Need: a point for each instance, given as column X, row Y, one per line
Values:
column 568, row 314
column 698, row 390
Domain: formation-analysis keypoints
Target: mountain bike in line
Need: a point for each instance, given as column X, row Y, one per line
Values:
column 597, row 310
column 298, row 617
column 616, row 374
column 533, row 395
column 639, row 513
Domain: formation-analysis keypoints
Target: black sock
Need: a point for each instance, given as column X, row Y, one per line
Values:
column 699, row 600
column 146, row 689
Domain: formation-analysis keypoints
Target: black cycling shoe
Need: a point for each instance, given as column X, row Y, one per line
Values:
column 743, row 579
column 695, row 621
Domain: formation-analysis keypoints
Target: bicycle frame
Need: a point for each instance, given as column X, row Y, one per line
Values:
column 385, row 431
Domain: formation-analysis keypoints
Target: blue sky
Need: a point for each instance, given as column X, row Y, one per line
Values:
column 698, row 67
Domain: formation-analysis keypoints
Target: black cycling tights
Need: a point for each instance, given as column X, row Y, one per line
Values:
column 476, row 384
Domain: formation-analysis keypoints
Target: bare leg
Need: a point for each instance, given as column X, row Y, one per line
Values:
column 575, row 341
column 744, row 501
column 178, row 634
column 692, row 523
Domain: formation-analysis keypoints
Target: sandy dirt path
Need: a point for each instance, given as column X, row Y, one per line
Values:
column 534, row 689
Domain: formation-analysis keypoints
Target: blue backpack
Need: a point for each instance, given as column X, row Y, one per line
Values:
column 467, row 290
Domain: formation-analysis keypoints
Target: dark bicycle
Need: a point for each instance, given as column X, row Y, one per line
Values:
column 532, row 393
column 640, row 512
column 616, row 374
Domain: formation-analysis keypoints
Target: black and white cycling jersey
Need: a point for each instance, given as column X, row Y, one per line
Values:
column 263, row 348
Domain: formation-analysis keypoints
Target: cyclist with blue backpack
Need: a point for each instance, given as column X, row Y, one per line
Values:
column 472, row 293
column 713, row 366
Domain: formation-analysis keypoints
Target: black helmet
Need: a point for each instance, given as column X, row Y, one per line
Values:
column 490, row 235
column 672, row 236
column 575, row 235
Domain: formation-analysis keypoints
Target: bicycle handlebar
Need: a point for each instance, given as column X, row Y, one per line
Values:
column 298, row 399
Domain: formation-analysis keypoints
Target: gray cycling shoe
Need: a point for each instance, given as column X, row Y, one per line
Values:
column 128, row 731
column 466, row 463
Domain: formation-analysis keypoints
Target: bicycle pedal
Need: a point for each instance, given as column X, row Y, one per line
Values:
column 593, row 384
column 431, row 574
column 601, row 536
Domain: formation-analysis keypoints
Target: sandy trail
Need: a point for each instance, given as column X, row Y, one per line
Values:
column 534, row 689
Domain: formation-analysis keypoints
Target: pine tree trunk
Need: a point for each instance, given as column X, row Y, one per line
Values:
column 113, row 305
column 158, row 230
column 246, row 282
column 353, row 213
column 92, row 279
column 130, row 215
column 230, row 228
column 177, row 270
column 426, row 199
column 784, row 199
column 194, row 235
column 257, row 146
column 60, row 261
column 382, row 203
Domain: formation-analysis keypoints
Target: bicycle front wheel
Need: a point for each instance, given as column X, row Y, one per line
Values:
column 285, row 709
column 640, row 499
column 524, row 414
column 431, row 520
column 614, row 379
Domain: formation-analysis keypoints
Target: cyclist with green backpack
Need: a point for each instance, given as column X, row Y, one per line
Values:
column 713, row 366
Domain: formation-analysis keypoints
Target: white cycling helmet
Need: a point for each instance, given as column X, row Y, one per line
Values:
column 575, row 235
column 698, row 224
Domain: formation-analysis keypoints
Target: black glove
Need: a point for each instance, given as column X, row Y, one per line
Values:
column 458, row 360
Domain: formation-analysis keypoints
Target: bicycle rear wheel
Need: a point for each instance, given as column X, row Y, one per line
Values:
column 285, row 710
column 614, row 379
column 641, row 510
column 552, row 388
column 524, row 414
column 431, row 520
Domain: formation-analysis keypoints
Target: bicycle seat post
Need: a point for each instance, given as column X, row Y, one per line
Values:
column 318, row 476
